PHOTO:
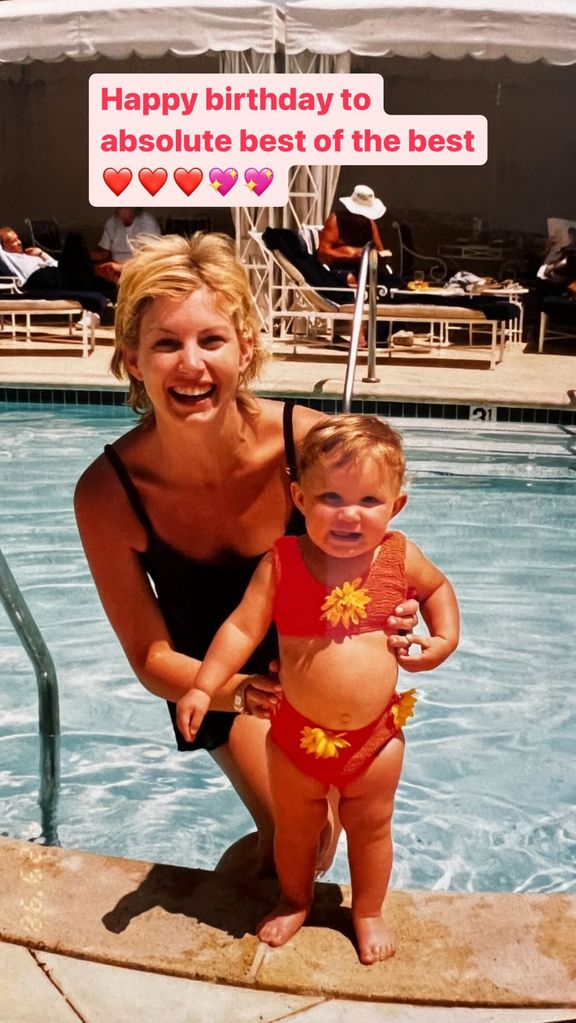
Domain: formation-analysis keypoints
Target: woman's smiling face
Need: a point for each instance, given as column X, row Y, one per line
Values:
column 189, row 356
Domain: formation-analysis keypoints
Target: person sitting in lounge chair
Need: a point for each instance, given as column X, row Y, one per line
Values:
column 24, row 261
column 12, row 243
column 347, row 230
column 41, row 276
column 38, row 271
column 115, row 245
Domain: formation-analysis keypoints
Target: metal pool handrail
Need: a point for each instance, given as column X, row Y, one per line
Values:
column 48, row 712
column 368, row 273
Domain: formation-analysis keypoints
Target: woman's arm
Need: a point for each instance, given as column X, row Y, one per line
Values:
column 331, row 248
column 113, row 540
column 235, row 641
column 439, row 608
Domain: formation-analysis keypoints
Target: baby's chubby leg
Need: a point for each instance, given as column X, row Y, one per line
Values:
column 300, row 813
column 366, row 807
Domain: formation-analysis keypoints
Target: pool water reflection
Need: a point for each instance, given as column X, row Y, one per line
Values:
column 487, row 796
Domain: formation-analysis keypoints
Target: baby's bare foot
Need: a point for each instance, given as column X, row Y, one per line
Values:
column 375, row 941
column 282, row 923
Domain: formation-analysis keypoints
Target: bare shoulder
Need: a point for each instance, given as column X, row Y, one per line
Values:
column 100, row 501
column 93, row 483
column 421, row 573
column 99, row 477
column 272, row 412
column 304, row 419
column 330, row 225
column 414, row 555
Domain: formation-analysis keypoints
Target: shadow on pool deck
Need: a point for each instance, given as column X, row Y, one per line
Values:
column 482, row 949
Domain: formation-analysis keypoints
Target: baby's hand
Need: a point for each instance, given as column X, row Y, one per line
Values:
column 433, row 650
column 190, row 712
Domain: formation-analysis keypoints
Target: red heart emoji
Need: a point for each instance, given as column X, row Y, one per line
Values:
column 152, row 179
column 117, row 180
column 188, row 180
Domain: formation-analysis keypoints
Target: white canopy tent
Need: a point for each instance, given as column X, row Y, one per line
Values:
column 512, row 60
column 50, row 30
column 522, row 30
column 44, row 107
column 48, row 48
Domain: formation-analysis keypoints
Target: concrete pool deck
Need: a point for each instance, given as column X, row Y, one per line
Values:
column 459, row 374
column 495, row 953
column 463, row 958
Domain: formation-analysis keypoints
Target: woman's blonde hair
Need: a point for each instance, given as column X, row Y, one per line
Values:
column 173, row 267
column 346, row 439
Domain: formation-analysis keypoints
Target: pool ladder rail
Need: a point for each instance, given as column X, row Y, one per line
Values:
column 48, row 706
column 367, row 276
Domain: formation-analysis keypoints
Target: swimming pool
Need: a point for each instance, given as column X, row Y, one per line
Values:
column 487, row 796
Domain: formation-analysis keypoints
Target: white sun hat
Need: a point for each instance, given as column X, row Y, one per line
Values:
column 364, row 201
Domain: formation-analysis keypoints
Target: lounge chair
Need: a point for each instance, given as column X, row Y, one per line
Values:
column 45, row 234
column 63, row 304
column 310, row 291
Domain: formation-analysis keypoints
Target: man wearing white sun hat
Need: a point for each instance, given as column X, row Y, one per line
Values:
column 347, row 231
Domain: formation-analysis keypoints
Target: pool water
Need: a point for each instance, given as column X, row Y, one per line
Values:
column 487, row 796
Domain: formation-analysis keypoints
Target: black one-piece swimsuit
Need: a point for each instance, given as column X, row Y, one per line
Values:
column 195, row 597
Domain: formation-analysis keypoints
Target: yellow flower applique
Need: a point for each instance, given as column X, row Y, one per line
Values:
column 346, row 604
column 321, row 743
column 404, row 709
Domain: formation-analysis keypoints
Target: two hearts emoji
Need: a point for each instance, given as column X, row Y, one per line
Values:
column 257, row 180
column 188, row 180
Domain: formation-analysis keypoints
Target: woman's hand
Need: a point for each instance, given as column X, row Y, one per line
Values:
column 263, row 693
column 402, row 621
column 404, row 618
